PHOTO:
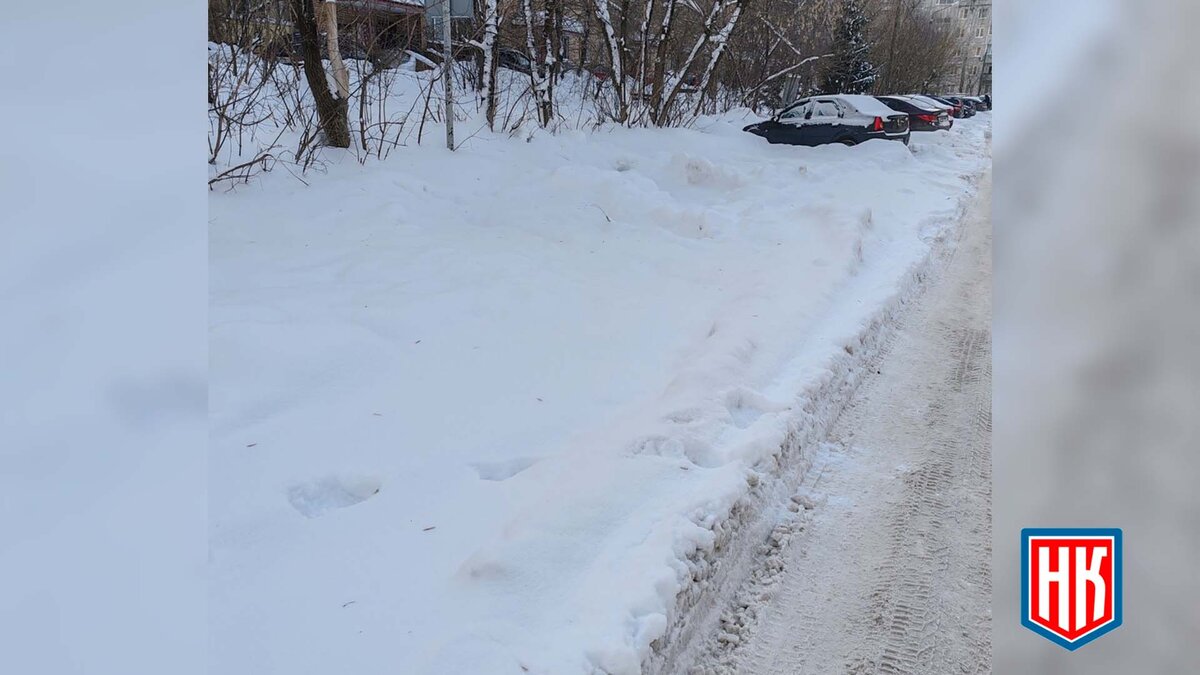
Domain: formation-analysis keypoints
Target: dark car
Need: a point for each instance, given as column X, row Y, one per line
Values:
column 968, row 105
column 957, row 110
column 842, row 118
column 981, row 102
column 928, row 102
column 920, row 117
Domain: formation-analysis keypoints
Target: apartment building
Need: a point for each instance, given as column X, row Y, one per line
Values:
column 970, row 70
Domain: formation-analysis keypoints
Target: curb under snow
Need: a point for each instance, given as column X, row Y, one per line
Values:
column 720, row 570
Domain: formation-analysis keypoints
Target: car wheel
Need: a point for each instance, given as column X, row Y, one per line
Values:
column 847, row 141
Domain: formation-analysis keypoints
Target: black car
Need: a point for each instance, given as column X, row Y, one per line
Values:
column 969, row 105
column 981, row 102
column 920, row 118
column 842, row 118
column 957, row 109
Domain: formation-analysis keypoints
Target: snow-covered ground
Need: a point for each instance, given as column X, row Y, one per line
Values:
column 473, row 412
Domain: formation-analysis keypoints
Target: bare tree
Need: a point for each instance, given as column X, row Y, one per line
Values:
column 616, row 48
column 491, row 27
column 332, row 110
column 643, row 46
column 911, row 46
column 539, row 75
column 660, row 58
column 720, row 41
column 659, row 62
column 711, row 34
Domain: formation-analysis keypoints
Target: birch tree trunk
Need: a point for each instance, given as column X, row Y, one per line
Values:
column 623, row 36
column 660, row 59
column 671, row 88
column 643, row 49
column 332, row 111
column 537, row 68
column 615, row 50
column 491, row 26
column 340, row 76
column 550, row 58
column 720, row 41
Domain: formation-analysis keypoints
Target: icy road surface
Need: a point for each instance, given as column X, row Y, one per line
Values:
column 885, row 566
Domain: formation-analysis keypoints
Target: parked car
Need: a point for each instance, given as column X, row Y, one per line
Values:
column 920, row 117
column 929, row 102
column 957, row 109
column 960, row 107
column 966, row 105
column 981, row 102
column 842, row 118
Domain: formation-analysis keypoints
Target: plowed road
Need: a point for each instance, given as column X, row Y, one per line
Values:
column 887, row 568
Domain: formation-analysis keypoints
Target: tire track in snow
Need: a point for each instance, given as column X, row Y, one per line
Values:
column 889, row 571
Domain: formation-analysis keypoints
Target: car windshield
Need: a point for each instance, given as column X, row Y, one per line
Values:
column 795, row 111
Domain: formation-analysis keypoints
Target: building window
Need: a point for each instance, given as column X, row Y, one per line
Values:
column 979, row 32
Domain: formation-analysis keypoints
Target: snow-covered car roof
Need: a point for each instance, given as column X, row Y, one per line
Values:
column 867, row 105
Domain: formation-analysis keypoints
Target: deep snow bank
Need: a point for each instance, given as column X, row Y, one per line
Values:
column 486, row 412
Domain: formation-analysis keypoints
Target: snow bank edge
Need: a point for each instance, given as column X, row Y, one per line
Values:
column 718, row 572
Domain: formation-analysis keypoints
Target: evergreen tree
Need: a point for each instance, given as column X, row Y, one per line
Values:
column 850, row 71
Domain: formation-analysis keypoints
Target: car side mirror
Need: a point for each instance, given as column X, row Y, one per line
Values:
column 808, row 115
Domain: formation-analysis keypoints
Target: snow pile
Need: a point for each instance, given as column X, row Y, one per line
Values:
column 493, row 411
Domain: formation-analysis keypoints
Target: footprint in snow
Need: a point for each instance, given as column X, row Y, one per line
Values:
column 318, row 497
column 746, row 407
column 503, row 470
